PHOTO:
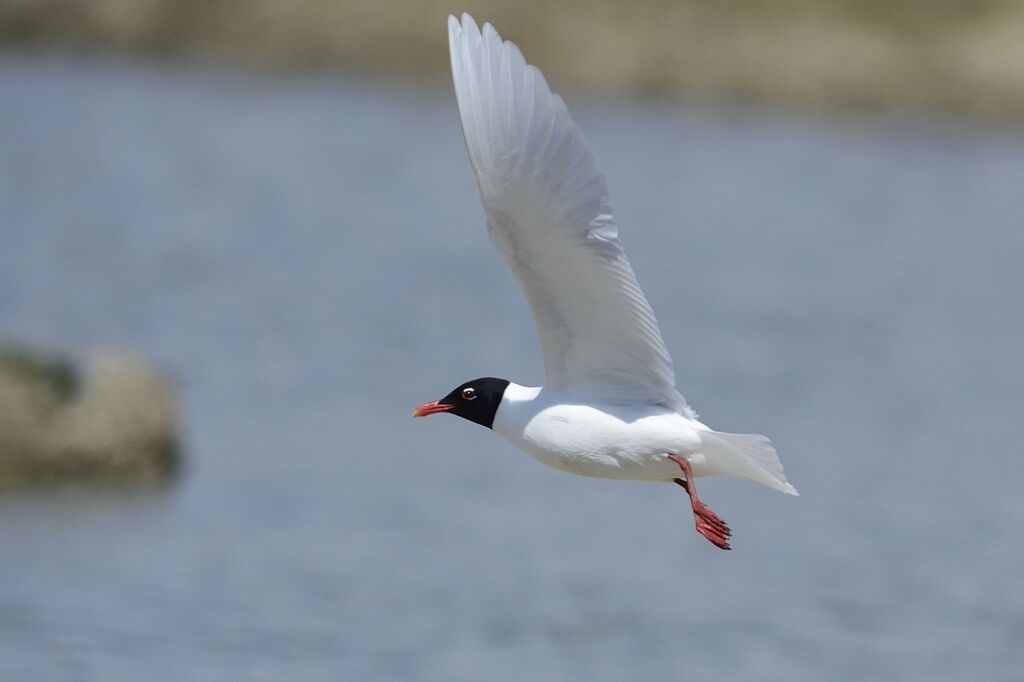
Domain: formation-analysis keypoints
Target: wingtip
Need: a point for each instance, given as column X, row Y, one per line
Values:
column 454, row 31
column 790, row 490
column 468, row 29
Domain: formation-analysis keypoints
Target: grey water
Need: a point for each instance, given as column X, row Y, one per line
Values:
column 306, row 257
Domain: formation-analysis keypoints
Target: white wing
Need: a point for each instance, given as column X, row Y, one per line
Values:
column 549, row 214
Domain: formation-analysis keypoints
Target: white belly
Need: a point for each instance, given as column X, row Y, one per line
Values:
column 603, row 441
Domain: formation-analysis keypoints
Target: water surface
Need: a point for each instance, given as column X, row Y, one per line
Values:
column 306, row 258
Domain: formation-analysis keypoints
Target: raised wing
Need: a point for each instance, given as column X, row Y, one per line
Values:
column 549, row 214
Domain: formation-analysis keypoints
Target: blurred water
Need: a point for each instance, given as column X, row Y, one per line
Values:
column 306, row 257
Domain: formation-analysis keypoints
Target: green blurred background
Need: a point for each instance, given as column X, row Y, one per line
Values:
column 965, row 56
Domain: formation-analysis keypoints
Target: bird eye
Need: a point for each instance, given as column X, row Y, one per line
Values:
column 468, row 394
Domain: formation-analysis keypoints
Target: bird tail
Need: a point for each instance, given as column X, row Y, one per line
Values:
column 745, row 455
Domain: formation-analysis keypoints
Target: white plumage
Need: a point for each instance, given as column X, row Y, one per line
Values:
column 609, row 406
column 550, row 216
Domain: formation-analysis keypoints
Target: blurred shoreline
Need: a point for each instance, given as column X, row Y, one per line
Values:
column 950, row 56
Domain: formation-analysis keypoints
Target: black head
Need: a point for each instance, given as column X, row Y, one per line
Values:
column 475, row 400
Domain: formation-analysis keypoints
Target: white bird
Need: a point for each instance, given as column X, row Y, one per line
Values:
column 609, row 406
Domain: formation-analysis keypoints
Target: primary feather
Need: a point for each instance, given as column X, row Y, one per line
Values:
column 549, row 214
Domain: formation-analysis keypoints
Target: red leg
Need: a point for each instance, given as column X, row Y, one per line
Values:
column 709, row 524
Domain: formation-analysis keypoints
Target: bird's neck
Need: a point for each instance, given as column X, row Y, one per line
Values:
column 514, row 393
column 518, row 406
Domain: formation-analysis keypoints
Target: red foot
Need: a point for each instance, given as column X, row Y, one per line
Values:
column 709, row 524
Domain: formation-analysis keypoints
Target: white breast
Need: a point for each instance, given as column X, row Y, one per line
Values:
column 606, row 441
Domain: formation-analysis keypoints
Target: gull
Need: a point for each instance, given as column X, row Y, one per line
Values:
column 609, row 407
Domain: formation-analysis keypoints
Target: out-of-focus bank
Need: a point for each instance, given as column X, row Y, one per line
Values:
column 963, row 56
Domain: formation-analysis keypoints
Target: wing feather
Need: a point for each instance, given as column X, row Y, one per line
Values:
column 550, row 217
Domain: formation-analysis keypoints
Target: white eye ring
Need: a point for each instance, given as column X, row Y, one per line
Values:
column 468, row 394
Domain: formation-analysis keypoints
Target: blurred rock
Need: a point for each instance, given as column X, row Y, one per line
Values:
column 114, row 421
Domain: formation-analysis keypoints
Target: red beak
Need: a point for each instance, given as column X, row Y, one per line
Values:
column 433, row 407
